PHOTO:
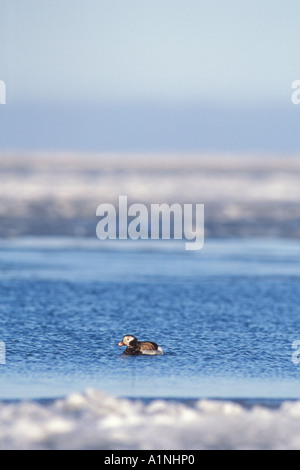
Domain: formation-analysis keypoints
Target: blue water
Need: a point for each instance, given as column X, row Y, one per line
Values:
column 226, row 318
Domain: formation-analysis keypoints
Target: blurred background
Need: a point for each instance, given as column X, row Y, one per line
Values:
column 162, row 101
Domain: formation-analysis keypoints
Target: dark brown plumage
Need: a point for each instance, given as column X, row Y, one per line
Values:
column 135, row 347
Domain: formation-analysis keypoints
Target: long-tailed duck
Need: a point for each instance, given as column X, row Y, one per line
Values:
column 135, row 347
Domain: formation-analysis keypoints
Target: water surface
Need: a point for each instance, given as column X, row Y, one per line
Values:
column 226, row 318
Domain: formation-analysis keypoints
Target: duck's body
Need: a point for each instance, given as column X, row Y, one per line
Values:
column 135, row 347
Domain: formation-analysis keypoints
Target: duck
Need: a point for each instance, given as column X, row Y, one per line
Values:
column 135, row 347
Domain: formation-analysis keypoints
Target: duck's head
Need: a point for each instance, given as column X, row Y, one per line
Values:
column 129, row 341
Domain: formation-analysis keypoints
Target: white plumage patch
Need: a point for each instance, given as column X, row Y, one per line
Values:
column 151, row 352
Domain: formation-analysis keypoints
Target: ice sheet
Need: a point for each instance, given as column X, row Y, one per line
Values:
column 95, row 420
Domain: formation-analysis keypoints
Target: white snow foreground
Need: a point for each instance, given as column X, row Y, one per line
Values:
column 95, row 420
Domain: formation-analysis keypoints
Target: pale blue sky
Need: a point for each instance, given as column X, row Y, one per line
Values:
column 164, row 50
column 156, row 71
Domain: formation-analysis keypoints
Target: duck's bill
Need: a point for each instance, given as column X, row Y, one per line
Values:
column 121, row 343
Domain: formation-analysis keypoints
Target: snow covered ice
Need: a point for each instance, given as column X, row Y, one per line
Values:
column 95, row 420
